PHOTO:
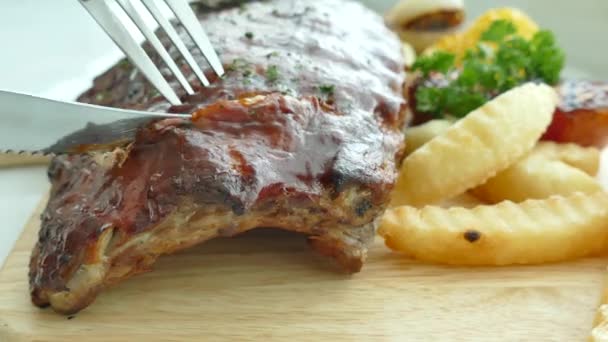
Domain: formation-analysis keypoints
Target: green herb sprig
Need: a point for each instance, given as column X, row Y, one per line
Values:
column 501, row 61
column 327, row 89
column 272, row 74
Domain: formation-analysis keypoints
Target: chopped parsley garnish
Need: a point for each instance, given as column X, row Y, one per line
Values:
column 100, row 96
column 287, row 92
column 272, row 54
column 238, row 64
column 501, row 61
column 272, row 74
column 327, row 89
column 242, row 66
column 124, row 64
column 249, row 35
column 154, row 93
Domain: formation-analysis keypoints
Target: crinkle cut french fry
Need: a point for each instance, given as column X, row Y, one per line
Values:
column 533, row 232
column 535, row 178
column 586, row 159
column 465, row 200
column 474, row 149
column 417, row 136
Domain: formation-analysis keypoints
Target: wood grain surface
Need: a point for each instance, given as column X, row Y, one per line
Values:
column 600, row 325
column 267, row 285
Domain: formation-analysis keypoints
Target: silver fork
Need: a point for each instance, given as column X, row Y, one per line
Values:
column 108, row 15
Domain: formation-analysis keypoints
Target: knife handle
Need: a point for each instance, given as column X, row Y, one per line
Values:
column 19, row 160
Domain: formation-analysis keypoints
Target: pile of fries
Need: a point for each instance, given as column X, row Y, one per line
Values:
column 527, row 202
column 484, row 190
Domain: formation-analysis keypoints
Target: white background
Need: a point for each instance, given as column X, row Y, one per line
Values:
column 53, row 48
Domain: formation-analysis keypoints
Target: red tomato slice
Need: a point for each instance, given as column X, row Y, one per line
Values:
column 582, row 116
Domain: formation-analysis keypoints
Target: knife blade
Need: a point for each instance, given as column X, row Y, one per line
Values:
column 34, row 124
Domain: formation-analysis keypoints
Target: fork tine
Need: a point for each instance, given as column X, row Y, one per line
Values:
column 106, row 17
column 135, row 15
column 174, row 36
column 184, row 13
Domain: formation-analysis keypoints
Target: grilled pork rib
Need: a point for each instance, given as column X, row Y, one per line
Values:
column 303, row 134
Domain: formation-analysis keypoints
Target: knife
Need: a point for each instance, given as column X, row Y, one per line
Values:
column 31, row 124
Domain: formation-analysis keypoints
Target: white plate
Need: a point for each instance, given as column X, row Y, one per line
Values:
column 53, row 48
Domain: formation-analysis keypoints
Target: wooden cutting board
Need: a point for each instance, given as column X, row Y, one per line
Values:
column 267, row 285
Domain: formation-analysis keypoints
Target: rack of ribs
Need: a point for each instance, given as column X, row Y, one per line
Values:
column 304, row 133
